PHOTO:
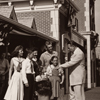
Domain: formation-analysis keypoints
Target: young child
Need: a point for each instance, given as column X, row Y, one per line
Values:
column 53, row 75
column 53, row 65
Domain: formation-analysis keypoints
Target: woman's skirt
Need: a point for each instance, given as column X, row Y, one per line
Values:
column 15, row 88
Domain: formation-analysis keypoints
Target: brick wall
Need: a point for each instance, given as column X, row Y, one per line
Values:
column 81, row 14
column 42, row 19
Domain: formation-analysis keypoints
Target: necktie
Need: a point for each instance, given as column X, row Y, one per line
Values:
column 32, row 69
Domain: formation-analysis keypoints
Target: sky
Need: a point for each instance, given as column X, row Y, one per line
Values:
column 97, row 17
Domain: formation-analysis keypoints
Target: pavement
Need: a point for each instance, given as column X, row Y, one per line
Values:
column 93, row 94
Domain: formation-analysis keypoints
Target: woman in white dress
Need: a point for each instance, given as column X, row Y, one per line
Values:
column 15, row 88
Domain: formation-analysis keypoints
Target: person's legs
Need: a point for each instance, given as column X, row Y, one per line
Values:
column 83, row 93
column 2, row 90
column 78, row 92
column 28, row 91
column 71, row 93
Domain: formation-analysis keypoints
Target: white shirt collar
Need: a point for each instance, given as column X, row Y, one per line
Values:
column 34, row 59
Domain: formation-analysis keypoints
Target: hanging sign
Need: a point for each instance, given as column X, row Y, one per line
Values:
column 76, row 37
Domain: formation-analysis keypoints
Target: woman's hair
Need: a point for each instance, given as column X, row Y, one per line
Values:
column 16, row 51
column 44, row 88
column 52, row 59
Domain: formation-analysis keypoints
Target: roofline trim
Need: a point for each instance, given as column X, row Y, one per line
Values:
column 26, row 29
column 73, row 5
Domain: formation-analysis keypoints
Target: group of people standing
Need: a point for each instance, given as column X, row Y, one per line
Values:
column 27, row 75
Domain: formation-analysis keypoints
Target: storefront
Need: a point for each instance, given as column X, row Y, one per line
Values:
column 65, row 54
column 55, row 21
column 68, row 28
column 14, row 33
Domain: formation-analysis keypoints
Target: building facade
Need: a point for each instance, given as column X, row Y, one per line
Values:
column 53, row 18
column 86, row 21
column 62, row 21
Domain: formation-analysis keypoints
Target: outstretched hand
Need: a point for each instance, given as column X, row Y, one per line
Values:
column 26, row 84
column 60, row 67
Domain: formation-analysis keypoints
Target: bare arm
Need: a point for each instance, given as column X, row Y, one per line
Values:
column 49, row 72
column 8, row 66
column 42, row 60
column 11, row 69
column 62, row 79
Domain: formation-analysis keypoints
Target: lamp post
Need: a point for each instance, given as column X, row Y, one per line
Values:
column 32, row 4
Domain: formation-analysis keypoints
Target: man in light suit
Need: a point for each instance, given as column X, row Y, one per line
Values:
column 77, row 72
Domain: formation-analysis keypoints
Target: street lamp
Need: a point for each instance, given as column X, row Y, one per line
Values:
column 55, row 1
column 9, row 3
column 31, row 2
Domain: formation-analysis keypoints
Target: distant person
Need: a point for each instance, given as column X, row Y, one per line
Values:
column 4, row 68
column 15, row 88
column 46, row 56
column 43, row 90
column 77, row 72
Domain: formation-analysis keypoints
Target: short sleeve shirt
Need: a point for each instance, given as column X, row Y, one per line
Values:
column 45, row 58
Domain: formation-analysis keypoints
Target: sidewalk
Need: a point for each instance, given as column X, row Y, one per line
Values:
column 93, row 94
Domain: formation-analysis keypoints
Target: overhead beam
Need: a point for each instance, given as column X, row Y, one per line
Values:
column 19, row 27
column 4, row 1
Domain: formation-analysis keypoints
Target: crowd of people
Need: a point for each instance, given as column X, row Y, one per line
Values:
column 31, row 78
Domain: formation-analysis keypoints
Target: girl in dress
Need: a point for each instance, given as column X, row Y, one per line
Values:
column 28, row 75
column 53, row 75
column 53, row 65
column 15, row 88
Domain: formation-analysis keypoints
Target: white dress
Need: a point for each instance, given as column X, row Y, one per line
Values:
column 15, row 88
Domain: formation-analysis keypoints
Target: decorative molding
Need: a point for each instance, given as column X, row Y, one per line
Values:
column 37, row 8
column 87, row 15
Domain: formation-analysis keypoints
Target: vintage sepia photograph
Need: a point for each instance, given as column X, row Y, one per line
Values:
column 49, row 50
